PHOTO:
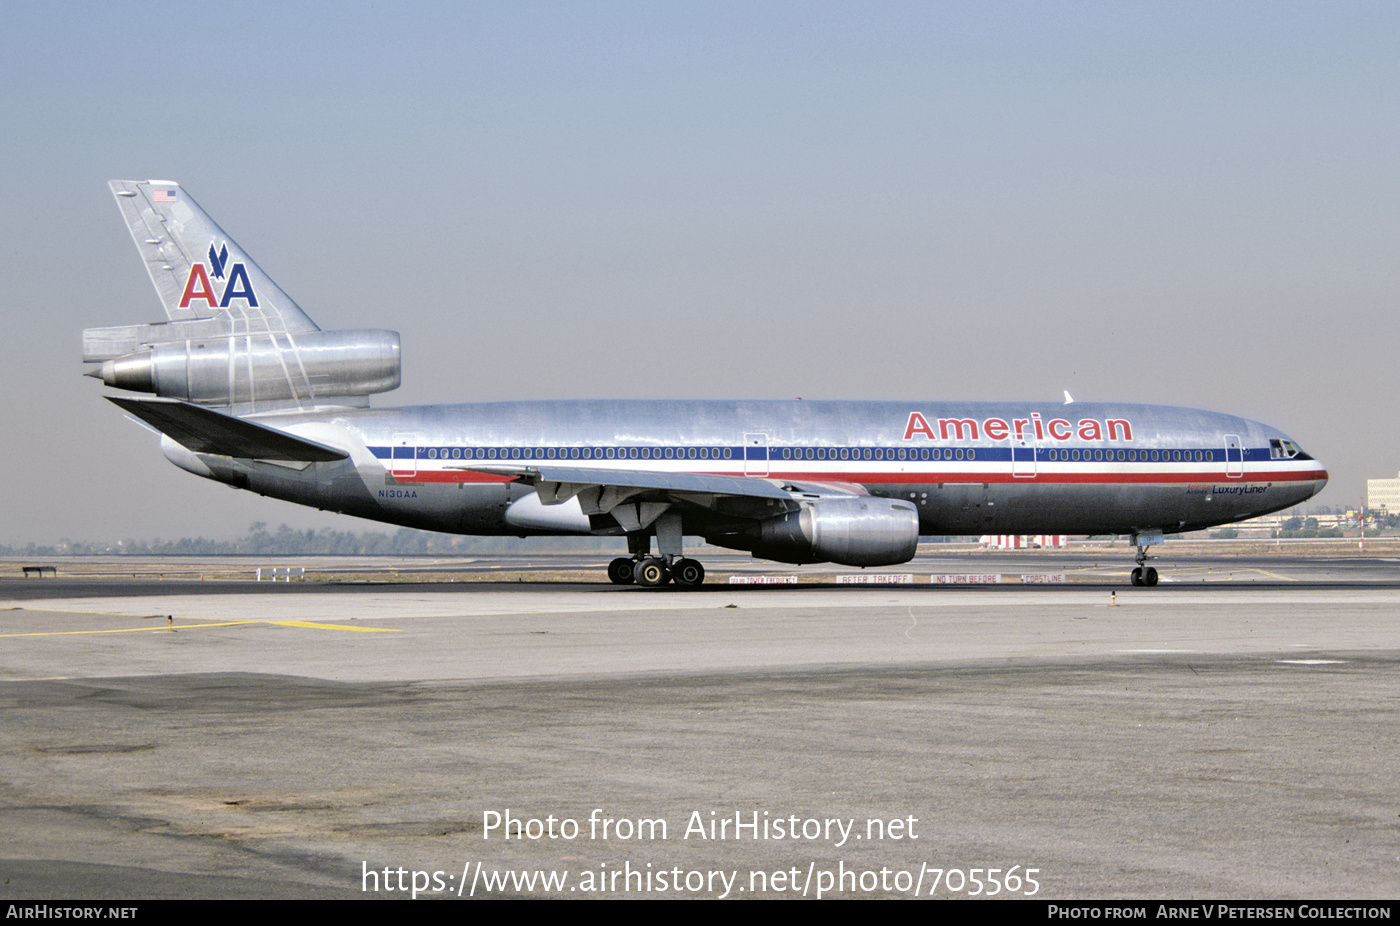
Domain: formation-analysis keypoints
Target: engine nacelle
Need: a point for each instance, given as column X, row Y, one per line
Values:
column 851, row 530
column 263, row 367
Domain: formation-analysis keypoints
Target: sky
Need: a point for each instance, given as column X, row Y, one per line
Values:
column 1189, row 204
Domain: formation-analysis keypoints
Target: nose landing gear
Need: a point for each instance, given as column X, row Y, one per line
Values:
column 1144, row 575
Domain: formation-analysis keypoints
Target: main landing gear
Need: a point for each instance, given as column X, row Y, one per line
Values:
column 653, row 571
column 1145, row 575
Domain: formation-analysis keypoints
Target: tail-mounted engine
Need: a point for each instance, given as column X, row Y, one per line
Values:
column 264, row 367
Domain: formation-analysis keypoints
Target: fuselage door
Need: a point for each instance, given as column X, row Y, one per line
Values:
column 1022, row 458
column 405, row 456
column 1234, row 457
column 755, row 454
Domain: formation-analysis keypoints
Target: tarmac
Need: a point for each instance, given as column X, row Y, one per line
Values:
column 1225, row 738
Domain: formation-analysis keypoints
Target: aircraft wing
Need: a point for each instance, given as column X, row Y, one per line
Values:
column 557, row 479
column 635, row 498
column 204, row 430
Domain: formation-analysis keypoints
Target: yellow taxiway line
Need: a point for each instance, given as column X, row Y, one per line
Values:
column 194, row 626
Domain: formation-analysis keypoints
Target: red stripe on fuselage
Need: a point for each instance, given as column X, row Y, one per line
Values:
column 927, row 478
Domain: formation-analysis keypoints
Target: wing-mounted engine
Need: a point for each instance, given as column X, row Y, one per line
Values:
column 853, row 530
column 305, row 366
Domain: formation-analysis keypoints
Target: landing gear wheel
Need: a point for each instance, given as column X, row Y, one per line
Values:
column 620, row 571
column 1144, row 575
column 688, row 572
column 651, row 573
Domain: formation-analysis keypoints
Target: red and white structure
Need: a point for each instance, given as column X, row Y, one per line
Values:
column 1023, row 541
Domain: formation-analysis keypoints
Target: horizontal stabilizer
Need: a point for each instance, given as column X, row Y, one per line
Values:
column 101, row 344
column 204, row 430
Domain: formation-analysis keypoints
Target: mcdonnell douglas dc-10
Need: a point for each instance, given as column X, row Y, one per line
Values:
column 250, row 392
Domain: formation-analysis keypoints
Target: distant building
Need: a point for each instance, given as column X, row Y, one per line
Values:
column 1018, row 541
column 1383, row 493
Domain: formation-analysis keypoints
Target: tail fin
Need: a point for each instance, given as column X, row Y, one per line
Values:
column 198, row 270
column 233, row 337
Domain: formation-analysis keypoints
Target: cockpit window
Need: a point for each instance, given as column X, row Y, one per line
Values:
column 1280, row 449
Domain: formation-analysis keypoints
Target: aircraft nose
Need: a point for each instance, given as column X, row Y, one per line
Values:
column 1320, row 473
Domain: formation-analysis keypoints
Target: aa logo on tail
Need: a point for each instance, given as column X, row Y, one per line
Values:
column 199, row 288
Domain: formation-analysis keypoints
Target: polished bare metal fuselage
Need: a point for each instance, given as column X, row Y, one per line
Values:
column 413, row 466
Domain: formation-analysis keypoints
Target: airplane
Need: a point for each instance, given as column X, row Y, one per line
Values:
column 246, row 390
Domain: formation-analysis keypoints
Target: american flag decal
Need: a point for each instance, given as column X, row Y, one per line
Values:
column 163, row 196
